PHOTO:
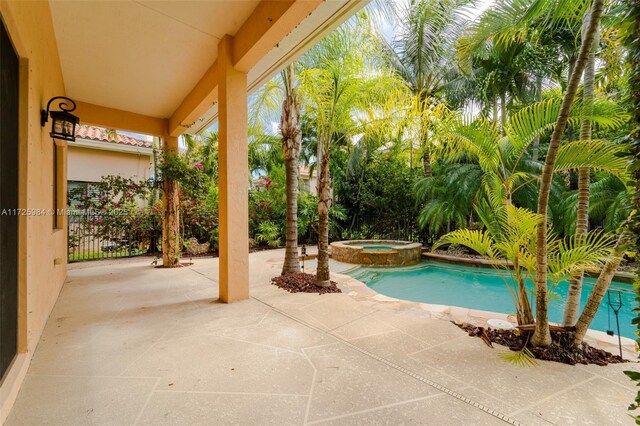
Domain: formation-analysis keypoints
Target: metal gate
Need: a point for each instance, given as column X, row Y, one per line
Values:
column 87, row 242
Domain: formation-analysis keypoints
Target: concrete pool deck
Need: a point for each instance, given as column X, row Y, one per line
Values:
column 130, row 344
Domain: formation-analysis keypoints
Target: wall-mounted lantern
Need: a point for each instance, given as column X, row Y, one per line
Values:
column 63, row 125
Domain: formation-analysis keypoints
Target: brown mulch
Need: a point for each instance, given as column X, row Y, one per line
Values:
column 559, row 351
column 301, row 282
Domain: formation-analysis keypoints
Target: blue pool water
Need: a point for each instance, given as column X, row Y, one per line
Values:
column 484, row 289
column 377, row 247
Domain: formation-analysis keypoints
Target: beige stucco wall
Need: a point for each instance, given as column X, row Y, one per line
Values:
column 42, row 268
column 89, row 165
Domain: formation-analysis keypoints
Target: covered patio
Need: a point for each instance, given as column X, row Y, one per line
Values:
column 128, row 343
column 155, row 68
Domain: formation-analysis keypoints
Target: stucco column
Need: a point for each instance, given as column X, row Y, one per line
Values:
column 233, row 176
column 171, row 244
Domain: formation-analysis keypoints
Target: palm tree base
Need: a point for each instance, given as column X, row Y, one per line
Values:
column 541, row 340
column 326, row 283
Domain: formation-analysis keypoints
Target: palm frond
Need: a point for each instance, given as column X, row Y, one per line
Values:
column 478, row 241
column 594, row 154
column 575, row 254
column 521, row 358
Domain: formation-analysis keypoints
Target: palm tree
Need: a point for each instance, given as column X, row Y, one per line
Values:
column 505, row 161
column 340, row 82
column 602, row 285
column 509, row 235
column 584, row 179
column 280, row 91
column 542, row 335
column 203, row 148
column 609, row 205
column 291, row 138
column 448, row 197
column 422, row 54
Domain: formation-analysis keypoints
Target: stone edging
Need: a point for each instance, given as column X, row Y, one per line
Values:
column 353, row 251
column 624, row 277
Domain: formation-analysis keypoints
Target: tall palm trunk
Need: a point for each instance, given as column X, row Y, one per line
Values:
column 536, row 141
column 494, row 115
column 542, row 335
column 600, row 289
column 584, row 179
column 503, row 112
column 291, row 138
column 324, row 202
column 570, row 130
column 424, row 137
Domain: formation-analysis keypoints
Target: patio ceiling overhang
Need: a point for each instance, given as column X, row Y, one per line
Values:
column 151, row 66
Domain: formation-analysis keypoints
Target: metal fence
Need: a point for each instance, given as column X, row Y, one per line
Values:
column 87, row 242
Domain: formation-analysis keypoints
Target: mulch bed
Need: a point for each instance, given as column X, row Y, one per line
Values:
column 559, row 351
column 301, row 282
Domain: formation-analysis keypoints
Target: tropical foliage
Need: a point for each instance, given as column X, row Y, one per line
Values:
column 509, row 241
column 466, row 130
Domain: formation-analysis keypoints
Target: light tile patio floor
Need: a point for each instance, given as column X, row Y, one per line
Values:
column 127, row 343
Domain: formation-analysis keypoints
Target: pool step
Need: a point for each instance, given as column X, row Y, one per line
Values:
column 366, row 275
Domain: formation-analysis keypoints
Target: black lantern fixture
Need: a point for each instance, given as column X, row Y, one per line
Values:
column 64, row 123
column 303, row 251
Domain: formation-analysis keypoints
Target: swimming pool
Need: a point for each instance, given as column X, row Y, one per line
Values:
column 483, row 289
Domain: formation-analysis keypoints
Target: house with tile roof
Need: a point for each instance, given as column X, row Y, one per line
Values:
column 99, row 152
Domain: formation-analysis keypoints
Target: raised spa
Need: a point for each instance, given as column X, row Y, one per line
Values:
column 377, row 252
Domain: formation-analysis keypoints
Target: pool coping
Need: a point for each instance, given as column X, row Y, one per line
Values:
column 360, row 291
column 624, row 277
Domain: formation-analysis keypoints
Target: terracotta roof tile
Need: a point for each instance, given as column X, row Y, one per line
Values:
column 99, row 134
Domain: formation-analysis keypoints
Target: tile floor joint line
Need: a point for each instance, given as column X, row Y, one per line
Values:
column 146, row 402
column 416, row 376
column 313, row 385
column 374, row 409
column 352, row 321
column 553, row 395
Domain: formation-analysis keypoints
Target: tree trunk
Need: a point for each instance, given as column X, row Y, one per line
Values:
column 536, row 141
column 542, row 335
column 171, row 245
column 584, row 179
column 426, row 161
column 503, row 112
column 599, row 289
column 324, row 202
column 572, row 305
column 570, row 130
column 424, row 137
column 318, row 163
column 494, row 114
column 291, row 138
column 171, row 241
column 525, row 315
